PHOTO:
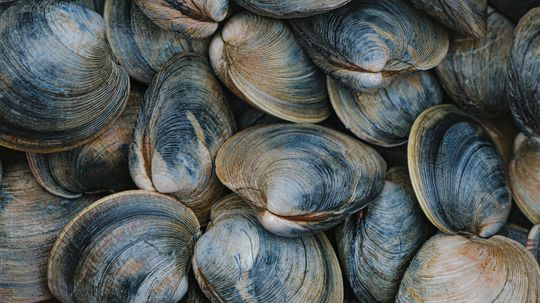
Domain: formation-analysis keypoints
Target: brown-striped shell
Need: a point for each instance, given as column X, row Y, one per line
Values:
column 290, row 9
column 524, row 175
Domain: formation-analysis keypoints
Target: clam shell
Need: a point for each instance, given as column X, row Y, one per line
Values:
column 290, row 9
column 100, row 165
column 237, row 260
column 59, row 87
column 184, row 121
column 502, row 131
column 468, row 17
column 524, row 71
column 30, row 220
column 140, row 46
column 195, row 19
column 457, row 174
column 366, row 44
column 300, row 178
column 474, row 72
column 524, row 175
column 533, row 242
column 134, row 246
column 471, row 270
column 260, row 61
column 385, row 117
column 376, row 245
column 514, row 9
column 514, row 232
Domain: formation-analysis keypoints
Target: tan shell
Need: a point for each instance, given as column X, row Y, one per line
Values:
column 524, row 175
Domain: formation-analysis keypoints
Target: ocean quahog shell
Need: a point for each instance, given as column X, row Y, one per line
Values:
column 524, row 71
column 189, row 18
column 259, row 59
column 376, row 245
column 533, row 242
column 59, row 86
column 140, row 46
column 457, row 173
column 134, row 246
column 514, row 232
column 237, row 260
column 524, row 175
column 30, row 220
column 474, row 72
column 385, row 117
column 290, row 9
column 514, row 9
column 468, row 17
column 471, row 270
column 184, row 120
column 300, row 178
column 364, row 45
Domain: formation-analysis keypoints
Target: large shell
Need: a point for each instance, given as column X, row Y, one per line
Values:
column 259, row 59
column 468, row 17
column 385, row 117
column 184, row 121
column 140, row 45
column 99, row 165
column 300, row 178
column 290, row 9
column 457, row 173
column 458, row 269
column 366, row 44
column 524, row 70
column 474, row 73
column 524, row 173
column 376, row 245
column 237, row 260
column 188, row 18
column 30, row 220
column 514, row 9
column 533, row 242
column 134, row 246
column 59, row 86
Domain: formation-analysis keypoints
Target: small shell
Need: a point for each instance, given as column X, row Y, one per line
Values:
column 524, row 70
column 457, row 174
column 524, row 173
column 194, row 19
column 184, row 121
column 468, row 17
column 367, row 44
column 514, row 9
column 290, row 9
column 533, row 242
column 30, row 221
column 385, row 117
column 59, row 87
column 471, row 270
column 237, row 260
column 140, row 45
column 260, row 61
column 474, row 73
column 135, row 246
column 376, row 245
column 300, row 178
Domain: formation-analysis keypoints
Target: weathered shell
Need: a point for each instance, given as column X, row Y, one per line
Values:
column 290, row 9
column 468, row 17
column 194, row 293
column 259, row 59
column 376, row 245
column 252, row 116
column 366, row 44
column 141, row 46
column 457, row 174
column 474, row 72
column 100, row 165
column 4, row 4
column 237, row 260
column 533, row 242
column 184, row 121
column 524, row 71
column 502, row 131
column 59, row 86
column 96, row 5
column 300, row 178
column 514, row 9
column 470, row 270
column 188, row 18
column 514, row 232
column 134, row 246
column 385, row 117
column 524, row 175
column 30, row 220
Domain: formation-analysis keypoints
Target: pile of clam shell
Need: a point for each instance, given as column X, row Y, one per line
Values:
column 270, row 151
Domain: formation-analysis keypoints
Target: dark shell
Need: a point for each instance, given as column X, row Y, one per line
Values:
column 533, row 242
column 290, row 9
column 514, row 232
column 514, row 9
column 59, row 86
column 366, row 44
column 524, row 176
